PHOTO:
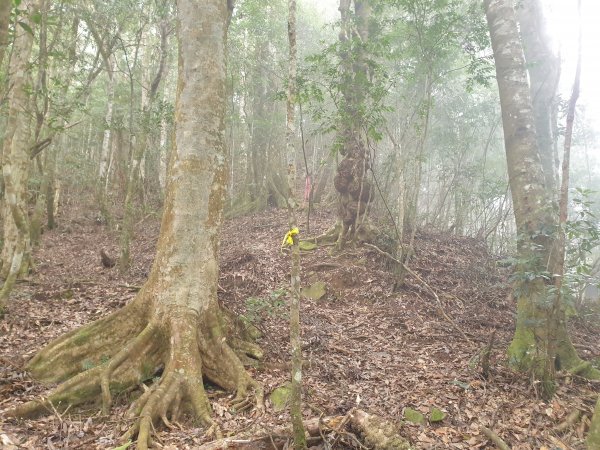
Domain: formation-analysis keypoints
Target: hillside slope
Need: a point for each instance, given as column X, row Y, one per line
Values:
column 363, row 344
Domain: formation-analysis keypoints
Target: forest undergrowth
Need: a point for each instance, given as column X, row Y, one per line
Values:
column 393, row 354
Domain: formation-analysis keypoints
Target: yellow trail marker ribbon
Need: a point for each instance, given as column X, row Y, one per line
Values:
column 288, row 240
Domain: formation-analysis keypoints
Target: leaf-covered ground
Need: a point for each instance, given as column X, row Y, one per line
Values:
column 363, row 344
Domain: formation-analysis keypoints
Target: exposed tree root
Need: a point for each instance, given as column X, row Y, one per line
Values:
column 187, row 346
column 497, row 440
column 339, row 234
column 376, row 432
column 593, row 439
column 87, row 347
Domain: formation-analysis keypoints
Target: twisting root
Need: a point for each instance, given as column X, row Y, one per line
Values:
column 132, row 348
column 223, row 367
column 85, row 383
column 65, row 357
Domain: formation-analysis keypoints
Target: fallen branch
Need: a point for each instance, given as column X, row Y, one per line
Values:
column 497, row 440
column 378, row 434
column 440, row 307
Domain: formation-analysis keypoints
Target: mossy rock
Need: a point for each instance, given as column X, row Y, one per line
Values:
column 307, row 246
column 280, row 397
column 436, row 415
column 315, row 291
column 414, row 416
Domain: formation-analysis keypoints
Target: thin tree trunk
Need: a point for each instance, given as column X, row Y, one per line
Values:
column 106, row 135
column 137, row 161
column 290, row 135
column 5, row 8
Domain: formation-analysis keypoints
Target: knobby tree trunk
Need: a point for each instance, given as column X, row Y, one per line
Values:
column 15, row 158
column 351, row 183
column 174, row 325
column 541, row 342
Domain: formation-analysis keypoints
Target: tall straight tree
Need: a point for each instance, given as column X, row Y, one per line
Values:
column 295, row 341
column 174, row 322
column 541, row 342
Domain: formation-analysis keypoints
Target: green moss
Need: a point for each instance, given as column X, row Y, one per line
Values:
column 414, row 416
column 315, row 291
column 436, row 415
column 307, row 246
column 280, row 397
column 82, row 337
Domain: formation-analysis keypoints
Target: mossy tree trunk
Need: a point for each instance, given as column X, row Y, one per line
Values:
column 541, row 342
column 174, row 325
column 15, row 157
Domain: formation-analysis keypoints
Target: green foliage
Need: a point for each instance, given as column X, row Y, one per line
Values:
column 87, row 365
column 325, row 81
column 583, row 237
column 259, row 307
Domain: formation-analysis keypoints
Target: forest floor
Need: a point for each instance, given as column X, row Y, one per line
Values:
column 364, row 345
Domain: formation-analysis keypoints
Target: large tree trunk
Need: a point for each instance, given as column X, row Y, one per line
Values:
column 543, row 66
column 15, row 159
column 541, row 342
column 174, row 325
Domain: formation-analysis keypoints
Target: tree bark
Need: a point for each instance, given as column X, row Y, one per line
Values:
column 5, row 8
column 105, row 152
column 15, row 164
column 174, row 324
column 295, row 341
column 543, row 66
